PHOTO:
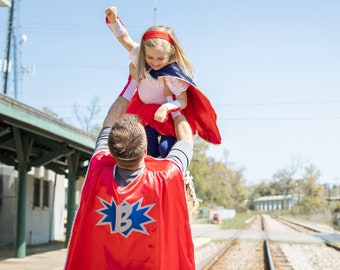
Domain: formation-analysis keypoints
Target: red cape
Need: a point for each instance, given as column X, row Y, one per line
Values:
column 143, row 226
column 199, row 111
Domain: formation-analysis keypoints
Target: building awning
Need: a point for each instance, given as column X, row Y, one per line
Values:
column 44, row 140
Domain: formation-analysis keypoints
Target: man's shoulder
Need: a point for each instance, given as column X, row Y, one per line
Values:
column 159, row 164
column 181, row 149
column 181, row 153
column 102, row 158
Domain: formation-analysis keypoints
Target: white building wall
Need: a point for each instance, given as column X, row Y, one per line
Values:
column 43, row 224
column 273, row 203
column 9, row 205
column 222, row 213
column 58, row 228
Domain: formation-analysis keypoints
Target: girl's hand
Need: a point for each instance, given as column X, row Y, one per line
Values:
column 161, row 115
column 111, row 14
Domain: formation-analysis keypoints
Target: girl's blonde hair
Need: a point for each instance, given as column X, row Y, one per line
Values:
column 174, row 49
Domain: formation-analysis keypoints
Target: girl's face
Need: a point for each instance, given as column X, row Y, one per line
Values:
column 156, row 57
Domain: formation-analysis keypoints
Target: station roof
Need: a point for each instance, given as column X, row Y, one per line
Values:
column 40, row 139
column 273, row 198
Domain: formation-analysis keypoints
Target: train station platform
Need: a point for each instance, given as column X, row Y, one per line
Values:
column 49, row 256
column 52, row 256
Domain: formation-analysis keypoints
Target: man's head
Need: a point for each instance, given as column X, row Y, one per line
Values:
column 127, row 141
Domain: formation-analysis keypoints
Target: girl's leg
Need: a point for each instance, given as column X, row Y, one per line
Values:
column 165, row 145
column 152, row 137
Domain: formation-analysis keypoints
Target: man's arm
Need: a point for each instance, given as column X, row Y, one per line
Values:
column 116, row 111
column 183, row 130
column 182, row 151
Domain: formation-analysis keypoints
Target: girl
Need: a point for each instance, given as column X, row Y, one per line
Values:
column 164, row 77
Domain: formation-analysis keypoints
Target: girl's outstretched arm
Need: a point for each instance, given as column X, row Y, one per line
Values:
column 119, row 29
column 172, row 106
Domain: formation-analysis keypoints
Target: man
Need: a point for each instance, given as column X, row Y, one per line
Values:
column 133, row 212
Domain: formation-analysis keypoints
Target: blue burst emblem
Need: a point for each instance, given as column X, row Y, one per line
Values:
column 125, row 217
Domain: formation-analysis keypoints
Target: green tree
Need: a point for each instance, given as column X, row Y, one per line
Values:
column 215, row 183
column 312, row 192
column 238, row 190
column 199, row 168
column 260, row 190
column 285, row 181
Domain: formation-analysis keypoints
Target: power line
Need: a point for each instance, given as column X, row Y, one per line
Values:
column 92, row 29
column 279, row 118
column 277, row 103
column 87, row 67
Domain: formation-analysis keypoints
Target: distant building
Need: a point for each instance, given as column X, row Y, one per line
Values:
column 278, row 202
column 218, row 213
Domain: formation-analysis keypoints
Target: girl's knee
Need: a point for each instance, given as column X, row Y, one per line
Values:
column 165, row 145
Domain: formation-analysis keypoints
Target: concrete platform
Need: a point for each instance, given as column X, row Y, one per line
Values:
column 50, row 259
column 52, row 256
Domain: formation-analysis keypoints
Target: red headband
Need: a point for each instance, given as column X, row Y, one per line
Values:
column 158, row 34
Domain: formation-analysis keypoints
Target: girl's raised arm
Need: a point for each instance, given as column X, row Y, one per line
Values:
column 119, row 29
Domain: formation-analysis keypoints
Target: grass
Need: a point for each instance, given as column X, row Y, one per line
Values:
column 239, row 222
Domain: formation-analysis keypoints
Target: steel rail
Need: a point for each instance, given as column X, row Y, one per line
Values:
column 211, row 261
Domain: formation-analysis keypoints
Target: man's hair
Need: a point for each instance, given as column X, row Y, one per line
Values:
column 127, row 140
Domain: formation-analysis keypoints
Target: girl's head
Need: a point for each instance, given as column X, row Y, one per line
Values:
column 160, row 47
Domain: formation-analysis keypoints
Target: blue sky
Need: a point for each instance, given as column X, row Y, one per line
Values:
column 270, row 68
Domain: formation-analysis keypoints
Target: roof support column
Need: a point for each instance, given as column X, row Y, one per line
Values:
column 71, row 207
column 23, row 146
column 73, row 165
column 20, row 244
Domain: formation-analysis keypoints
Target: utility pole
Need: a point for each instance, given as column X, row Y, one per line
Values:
column 19, row 70
column 8, row 49
column 154, row 12
column 12, row 60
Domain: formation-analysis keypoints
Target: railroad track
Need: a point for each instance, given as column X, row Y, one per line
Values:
column 260, row 255
column 216, row 257
column 236, row 253
column 276, row 258
column 335, row 244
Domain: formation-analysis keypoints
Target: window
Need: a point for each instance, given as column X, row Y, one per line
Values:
column 46, row 194
column 36, row 193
